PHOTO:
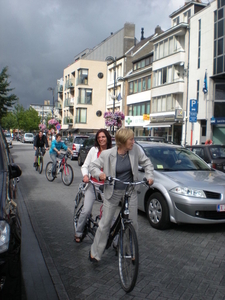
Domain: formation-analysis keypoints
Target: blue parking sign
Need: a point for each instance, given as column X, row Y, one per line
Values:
column 194, row 105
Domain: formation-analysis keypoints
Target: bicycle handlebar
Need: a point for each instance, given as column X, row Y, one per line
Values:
column 143, row 181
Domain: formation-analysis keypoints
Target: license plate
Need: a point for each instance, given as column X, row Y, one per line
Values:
column 220, row 207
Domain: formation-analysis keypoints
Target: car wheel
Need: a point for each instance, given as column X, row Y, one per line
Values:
column 79, row 161
column 158, row 212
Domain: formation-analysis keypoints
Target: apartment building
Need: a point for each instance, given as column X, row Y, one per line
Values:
column 170, row 76
column 206, row 34
column 44, row 110
column 87, row 87
column 138, row 85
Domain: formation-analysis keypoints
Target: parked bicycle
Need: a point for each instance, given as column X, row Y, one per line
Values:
column 92, row 222
column 61, row 167
column 40, row 160
column 128, row 254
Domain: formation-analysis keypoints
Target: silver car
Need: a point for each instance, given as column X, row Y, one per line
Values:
column 8, row 139
column 185, row 189
column 28, row 138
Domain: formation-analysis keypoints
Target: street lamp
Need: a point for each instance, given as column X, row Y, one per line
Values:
column 110, row 58
column 52, row 89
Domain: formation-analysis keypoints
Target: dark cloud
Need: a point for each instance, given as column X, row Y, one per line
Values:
column 40, row 38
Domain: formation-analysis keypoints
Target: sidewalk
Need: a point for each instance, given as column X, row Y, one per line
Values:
column 36, row 278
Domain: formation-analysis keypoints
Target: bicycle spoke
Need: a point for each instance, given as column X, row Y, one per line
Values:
column 128, row 257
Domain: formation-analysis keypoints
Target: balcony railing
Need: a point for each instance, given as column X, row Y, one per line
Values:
column 84, row 100
column 59, row 88
column 67, row 120
column 69, row 102
column 70, row 84
column 58, row 105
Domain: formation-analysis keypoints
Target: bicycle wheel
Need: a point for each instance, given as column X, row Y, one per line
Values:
column 67, row 175
column 79, row 203
column 128, row 257
column 48, row 171
column 40, row 164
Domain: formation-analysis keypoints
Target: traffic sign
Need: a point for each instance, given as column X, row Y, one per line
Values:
column 193, row 105
column 193, row 117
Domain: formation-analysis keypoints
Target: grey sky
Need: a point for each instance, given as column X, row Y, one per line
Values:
column 40, row 38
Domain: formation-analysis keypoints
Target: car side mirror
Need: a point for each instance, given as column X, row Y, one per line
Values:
column 14, row 171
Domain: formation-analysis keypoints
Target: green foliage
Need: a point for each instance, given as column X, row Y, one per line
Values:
column 31, row 120
column 9, row 121
column 7, row 100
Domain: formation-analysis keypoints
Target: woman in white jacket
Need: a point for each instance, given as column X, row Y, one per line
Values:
column 103, row 141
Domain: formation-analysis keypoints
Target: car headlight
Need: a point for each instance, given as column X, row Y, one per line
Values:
column 185, row 191
column 4, row 236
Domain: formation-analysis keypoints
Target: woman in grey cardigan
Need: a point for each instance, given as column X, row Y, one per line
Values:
column 122, row 162
column 103, row 141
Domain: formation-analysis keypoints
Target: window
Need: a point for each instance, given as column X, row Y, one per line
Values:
column 139, row 85
column 187, row 16
column 220, row 47
column 220, row 28
column 131, row 87
column 139, row 109
column 135, row 86
column 199, row 42
column 85, row 96
column 82, row 76
column 176, row 21
column 170, row 45
column 156, row 52
column 149, row 83
column 197, row 96
column 81, row 115
column 143, row 84
column 164, row 78
column 161, row 50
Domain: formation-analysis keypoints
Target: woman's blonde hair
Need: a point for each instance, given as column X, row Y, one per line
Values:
column 122, row 135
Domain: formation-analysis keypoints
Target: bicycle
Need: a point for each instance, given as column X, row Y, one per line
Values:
column 40, row 159
column 92, row 223
column 128, row 254
column 61, row 167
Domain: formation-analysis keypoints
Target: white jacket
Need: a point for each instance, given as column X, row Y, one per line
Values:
column 92, row 156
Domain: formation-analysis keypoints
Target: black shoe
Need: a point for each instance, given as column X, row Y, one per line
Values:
column 54, row 175
column 92, row 259
column 35, row 164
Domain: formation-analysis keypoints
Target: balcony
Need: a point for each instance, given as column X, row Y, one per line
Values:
column 70, row 84
column 58, row 105
column 59, row 88
column 69, row 102
column 67, row 121
column 175, row 87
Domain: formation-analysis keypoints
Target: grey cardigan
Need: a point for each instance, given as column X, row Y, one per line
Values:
column 107, row 162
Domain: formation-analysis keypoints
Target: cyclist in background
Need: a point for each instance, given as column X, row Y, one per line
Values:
column 54, row 152
column 41, row 141
column 103, row 141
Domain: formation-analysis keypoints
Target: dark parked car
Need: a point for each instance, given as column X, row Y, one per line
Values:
column 85, row 147
column 213, row 155
column 10, row 226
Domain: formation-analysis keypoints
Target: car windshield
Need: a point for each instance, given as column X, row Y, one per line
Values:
column 7, row 134
column 79, row 140
column 174, row 159
column 29, row 135
column 217, row 151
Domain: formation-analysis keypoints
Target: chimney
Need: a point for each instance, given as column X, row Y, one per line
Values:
column 158, row 29
column 142, row 34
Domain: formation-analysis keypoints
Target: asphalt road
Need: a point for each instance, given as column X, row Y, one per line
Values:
column 184, row 262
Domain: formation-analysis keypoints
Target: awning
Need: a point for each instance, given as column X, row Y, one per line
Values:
column 162, row 124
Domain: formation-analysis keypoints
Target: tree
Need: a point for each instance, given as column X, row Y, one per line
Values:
column 19, row 114
column 6, row 100
column 9, row 121
column 31, row 120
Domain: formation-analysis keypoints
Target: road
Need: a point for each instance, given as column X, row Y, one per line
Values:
column 184, row 262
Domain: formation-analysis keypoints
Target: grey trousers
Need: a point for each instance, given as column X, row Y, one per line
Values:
column 109, row 209
column 86, row 210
